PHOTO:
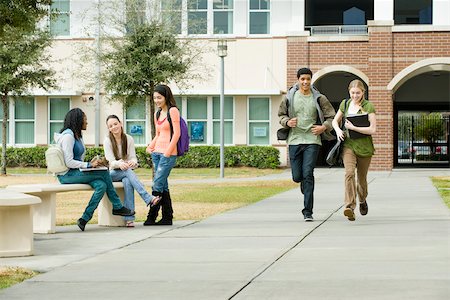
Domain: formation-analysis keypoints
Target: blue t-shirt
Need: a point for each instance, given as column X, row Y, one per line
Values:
column 78, row 150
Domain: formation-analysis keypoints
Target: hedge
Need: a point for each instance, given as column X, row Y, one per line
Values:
column 262, row 157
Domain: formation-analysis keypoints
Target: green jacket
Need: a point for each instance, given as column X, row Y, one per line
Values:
column 325, row 111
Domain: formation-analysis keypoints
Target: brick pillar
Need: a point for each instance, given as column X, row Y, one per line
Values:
column 380, row 73
column 297, row 57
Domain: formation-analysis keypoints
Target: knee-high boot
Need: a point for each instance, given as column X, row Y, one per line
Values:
column 153, row 211
column 167, row 211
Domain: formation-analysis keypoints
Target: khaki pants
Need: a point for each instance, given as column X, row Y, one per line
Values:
column 361, row 164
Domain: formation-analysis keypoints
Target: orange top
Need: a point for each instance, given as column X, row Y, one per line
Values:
column 161, row 142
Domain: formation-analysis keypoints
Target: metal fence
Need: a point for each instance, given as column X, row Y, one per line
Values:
column 339, row 30
column 423, row 139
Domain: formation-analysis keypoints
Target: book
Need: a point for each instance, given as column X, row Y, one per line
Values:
column 93, row 169
column 361, row 120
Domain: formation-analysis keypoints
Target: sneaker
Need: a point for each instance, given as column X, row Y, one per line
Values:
column 309, row 218
column 123, row 211
column 348, row 212
column 363, row 208
column 81, row 223
column 164, row 222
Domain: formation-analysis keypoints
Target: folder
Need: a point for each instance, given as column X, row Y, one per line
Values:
column 361, row 120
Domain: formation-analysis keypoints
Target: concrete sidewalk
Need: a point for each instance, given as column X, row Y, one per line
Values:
column 400, row 250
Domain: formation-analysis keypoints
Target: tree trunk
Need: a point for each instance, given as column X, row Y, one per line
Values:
column 151, row 104
column 5, row 121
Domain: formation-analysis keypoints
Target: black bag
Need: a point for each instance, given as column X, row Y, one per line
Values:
column 283, row 133
column 334, row 157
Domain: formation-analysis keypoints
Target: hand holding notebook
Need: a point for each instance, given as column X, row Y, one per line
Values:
column 361, row 120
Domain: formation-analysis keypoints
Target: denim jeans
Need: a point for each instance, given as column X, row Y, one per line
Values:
column 303, row 159
column 130, row 184
column 162, row 166
column 100, row 181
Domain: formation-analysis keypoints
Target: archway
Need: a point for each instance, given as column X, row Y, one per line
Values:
column 421, row 97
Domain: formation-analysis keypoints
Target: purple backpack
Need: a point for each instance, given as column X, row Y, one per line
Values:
column 183, row 141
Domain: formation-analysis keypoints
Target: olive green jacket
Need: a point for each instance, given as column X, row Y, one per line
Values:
column 325, row 111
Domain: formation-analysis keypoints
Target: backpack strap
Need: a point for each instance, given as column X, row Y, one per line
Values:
column 344, row 117
column 170, row 123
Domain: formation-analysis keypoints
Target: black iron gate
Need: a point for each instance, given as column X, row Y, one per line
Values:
column 423, row 139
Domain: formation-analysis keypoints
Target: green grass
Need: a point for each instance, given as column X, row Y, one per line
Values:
column 443, row 186
column 12, row 275
column 177, row 173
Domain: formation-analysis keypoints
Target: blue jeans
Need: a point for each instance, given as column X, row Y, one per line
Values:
column 303, row 159
column 100, row 181
column 162, row 166
column 130, row 183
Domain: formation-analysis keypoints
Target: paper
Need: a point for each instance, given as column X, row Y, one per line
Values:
column 359, row 121
column 93, row 169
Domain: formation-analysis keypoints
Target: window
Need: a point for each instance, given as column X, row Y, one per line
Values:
column 259, row 120
column 24, row 121
column 223, row 16
column 60, row 24
column 58, row 108
column 135, row 14
column 171, row 13
column 413, row 11
column 228, row 120
column 197, row 116
column 135, row 124
column 197, row 16
column 1, row 126
column 259, row 16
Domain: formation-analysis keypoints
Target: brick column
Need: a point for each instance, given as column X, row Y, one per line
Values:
column 380, row 73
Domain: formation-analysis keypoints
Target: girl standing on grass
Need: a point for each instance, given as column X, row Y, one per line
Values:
column 357, row 152
column 71, row 141
column 121, row 155
column 163, row 149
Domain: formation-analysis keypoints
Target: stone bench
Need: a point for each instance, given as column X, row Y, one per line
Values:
column 44, row 216
column 16, row 223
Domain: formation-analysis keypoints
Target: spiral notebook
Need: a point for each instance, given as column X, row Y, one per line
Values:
column 359, row 121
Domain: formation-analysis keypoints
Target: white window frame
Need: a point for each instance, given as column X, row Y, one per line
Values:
column 146, row 122
column 208, row 18
column 49, row 134
column 259, row 121
column 250, row 11
column 63, row 13
column 228, row 10
column 224, row 120
column 13, row 120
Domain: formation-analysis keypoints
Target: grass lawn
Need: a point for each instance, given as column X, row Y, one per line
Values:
column 13, row 275
column 443, row 186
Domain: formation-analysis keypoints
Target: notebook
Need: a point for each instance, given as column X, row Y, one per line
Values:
column 361, row 120
column 93, row 169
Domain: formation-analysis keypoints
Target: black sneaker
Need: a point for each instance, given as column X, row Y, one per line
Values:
column 363, row 208
column 81, row 223
column 164, row 222
column 309, row 218
column 123, row 211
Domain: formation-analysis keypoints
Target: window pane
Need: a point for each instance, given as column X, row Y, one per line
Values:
column 259, row 109
column 264, row 4
column 259, row 22
column 24, row 108
column 54, row 127
column 223, row 4
column 136, row 111
column 137, row 130
column 197, row 23
column 259, row 133
column 24, row 132
column 254, row 4
column 198, row 132
column 59, row 108
column 61, row 5
column 228, row 107
column 223, row 22
column 197, row 108
column 173, row 20
column 179, row 101
column 171, row 5
column 228, row 132
column 413, row 12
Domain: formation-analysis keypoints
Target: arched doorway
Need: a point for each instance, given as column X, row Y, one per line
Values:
column 333, row 82
column 421, row 96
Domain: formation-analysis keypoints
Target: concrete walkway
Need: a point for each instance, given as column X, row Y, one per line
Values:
column 400, row 250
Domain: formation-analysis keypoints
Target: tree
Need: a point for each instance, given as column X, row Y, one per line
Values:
column 431, row 129
column 23, row 14
column 148, row 54
column 22, row 66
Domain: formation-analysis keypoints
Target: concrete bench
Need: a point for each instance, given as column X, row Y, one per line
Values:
column 44, row 216
column 16, row 223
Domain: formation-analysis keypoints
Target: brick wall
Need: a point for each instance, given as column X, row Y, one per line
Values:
column 380, row 58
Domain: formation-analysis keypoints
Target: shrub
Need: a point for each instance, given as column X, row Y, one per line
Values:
column 262, row 157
